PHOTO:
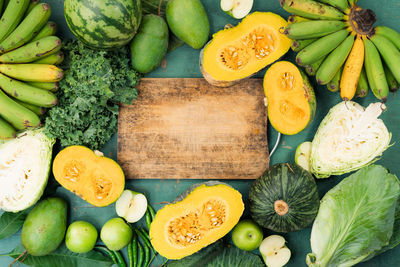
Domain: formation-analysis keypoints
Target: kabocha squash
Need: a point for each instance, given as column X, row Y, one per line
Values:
column 197, row 218
column 291, row 99
column 284, row 199
column 97, row 179
column 239, row 52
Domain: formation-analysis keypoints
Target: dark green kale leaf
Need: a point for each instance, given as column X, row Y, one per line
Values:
column 95, row 83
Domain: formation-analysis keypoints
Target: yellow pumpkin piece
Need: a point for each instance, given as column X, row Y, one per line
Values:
column 239, row 52
column 198, row 218
column 291, row 99
column 97, row 179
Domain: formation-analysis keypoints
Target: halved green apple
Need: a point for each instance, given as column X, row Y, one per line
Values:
column 237, row 8
column 274, row 251
column 131, row 206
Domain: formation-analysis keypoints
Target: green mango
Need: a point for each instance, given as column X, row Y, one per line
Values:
column 150, row 44
column 44, row 227
column 188, row 20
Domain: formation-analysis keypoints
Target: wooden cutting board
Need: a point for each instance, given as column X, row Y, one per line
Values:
column 186, row 128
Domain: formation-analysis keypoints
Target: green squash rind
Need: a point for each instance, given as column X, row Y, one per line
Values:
column 44, row 227
column 292, row 184
column 98, row 25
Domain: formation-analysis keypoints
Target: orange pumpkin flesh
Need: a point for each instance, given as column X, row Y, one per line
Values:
column 97, row 179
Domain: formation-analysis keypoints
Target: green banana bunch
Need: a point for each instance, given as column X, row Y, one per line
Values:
column 29, row 53
column 336, row 41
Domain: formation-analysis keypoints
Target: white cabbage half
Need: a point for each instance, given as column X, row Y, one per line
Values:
column 24, row 169
column 348, row 138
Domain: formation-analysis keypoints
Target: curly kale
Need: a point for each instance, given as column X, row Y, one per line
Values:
column 95, row 83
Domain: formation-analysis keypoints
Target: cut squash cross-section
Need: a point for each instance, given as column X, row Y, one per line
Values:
column 200, row 217
column 290, row 97
column 239, row 52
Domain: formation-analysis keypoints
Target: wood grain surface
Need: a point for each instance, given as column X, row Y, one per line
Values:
column 186, row 128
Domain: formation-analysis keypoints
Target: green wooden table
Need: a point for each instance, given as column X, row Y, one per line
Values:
column 183, row 63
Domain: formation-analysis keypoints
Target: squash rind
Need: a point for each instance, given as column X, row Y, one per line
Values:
column 190, row 202
column 219, row 75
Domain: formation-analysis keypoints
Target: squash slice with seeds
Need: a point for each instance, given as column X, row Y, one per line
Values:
column 199, row 217
column 238, row 52
column 291, row 99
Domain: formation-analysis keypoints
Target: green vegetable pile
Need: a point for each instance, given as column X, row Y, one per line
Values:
column 94, row 84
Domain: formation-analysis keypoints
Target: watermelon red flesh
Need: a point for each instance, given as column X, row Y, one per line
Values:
column 293, row 185
column 103, row 24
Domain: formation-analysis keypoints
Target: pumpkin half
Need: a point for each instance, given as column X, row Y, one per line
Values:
column 291, row 98
column 97, row 179
column 238, row 52
column 199, row 217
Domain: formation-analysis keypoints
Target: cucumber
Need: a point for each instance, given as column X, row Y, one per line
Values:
column 44, row 227
column 150, row 44
column 188, row 20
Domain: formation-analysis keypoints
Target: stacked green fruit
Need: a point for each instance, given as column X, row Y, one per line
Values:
column 336, row 42
column 29, row 52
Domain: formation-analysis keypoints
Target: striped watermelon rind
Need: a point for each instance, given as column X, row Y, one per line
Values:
column 103, row 24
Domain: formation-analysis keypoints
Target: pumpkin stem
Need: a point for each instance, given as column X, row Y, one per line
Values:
column 290, row 168
column 281, row 207
column 99, row 153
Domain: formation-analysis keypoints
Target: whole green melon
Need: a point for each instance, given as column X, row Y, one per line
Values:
column 284, row 199
column 103, row 24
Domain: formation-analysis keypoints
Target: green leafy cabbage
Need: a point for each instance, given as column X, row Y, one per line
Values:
column 94, row 84
column 348, row 138
column 356, row 219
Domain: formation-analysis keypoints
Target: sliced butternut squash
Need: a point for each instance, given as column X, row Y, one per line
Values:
column 97, row 179
column 291, row 99
column 239, row 52
column 199, row 217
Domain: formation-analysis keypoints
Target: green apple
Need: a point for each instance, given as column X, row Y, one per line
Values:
column 237, row 8
column 81, row 237
column 131, row 206
column 116, row 234
column 274, row 251
column 247, row 235
column 303, row 154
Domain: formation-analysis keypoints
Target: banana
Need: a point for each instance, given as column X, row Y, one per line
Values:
column 320, row 48
column 27, row 29
column 333, row 85
column 18, row 116
column 313, row 68
column 392, row 83
column 334, row 61
column 390, row 34
column 6, row 130
column 12, row 16
column 313, row 29
column 375, row 71
column 294, row 19
column 32, row 4
column 32, row 72
column 339, row 4
column 49, row 29
column 362, row 87
column 389, row 53
column 27, row 93
column 351, row 70
column 36, row 109
column 33, row 51
column 311, row 9
column 53, row 59
column 53, row 87
column 298, row 45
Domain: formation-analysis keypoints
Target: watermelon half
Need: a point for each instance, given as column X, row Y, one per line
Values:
column 103, row 24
